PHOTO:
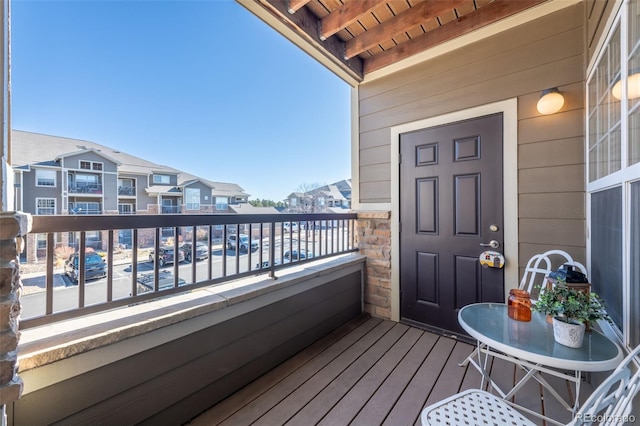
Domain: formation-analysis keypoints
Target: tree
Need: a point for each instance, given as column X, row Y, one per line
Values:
column 308, row 187
column 266, row 203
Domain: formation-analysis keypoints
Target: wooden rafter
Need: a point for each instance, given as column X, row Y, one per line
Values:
column 491, row 13
column 295, row 5
column 410, row 18
column 305, row 24
column 345, row 15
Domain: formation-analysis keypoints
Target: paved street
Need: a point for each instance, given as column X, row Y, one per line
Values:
column 66, row 293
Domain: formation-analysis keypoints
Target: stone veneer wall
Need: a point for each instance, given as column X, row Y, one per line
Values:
column 373, row 234
column 13, row 227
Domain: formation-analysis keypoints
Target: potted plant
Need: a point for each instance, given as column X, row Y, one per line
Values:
column 570, row 309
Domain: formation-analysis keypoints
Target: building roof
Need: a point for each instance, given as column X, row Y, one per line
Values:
column 331, row 191
column 28, row 148
column 163, row 189
column 33, row 148
column 83, row 150
column 246, row 208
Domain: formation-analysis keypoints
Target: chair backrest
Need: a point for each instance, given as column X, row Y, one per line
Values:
column 564, row 258
column 611, row 402
column 538, row 267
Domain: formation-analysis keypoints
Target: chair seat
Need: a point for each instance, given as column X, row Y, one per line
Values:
column 473, row 407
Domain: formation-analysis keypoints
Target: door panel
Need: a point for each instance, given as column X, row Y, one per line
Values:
column 451, row 193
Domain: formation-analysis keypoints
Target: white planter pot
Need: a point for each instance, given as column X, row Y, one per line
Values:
column 568, row 334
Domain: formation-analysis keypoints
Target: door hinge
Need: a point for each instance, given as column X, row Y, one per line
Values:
column 400, row 158
column 399, row 227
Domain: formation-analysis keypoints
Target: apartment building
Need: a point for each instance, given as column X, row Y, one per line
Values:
column 333, row 198
column 62, row 176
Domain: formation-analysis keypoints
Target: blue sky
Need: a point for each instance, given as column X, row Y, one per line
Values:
column 202, row 86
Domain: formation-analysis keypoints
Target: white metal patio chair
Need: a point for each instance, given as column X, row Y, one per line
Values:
column 609, row 404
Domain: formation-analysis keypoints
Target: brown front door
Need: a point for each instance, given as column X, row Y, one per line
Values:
column 451, row 202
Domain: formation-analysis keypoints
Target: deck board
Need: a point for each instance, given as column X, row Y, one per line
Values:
column 351, row 403
column 371, row 372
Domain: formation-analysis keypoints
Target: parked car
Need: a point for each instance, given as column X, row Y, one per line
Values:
column 266, row 264
column 94, row 266
column 165, row 255
column 202, row 251
column 165, row 280
column 290, row 226
column 294, row 255
column 244, row 243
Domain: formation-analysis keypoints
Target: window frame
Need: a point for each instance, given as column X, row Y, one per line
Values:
column 48, row 171
column 38, row 207
column 222, row 206
column 627, row 174
column 159, row 179
column 192, row 193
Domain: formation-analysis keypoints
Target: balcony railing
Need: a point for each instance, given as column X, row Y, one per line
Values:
column 126, row 190
column 84, row 188
column 170, row 209
column 145, row 270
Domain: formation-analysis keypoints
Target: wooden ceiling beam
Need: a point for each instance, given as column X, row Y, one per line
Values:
column 295, row 5
column 346, row 15
column 406, row 20
column 488, row 14
column 305, row 25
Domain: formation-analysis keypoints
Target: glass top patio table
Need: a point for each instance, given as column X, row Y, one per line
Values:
column 490, row 324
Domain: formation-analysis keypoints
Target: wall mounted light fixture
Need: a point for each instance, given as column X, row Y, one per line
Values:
column 633, row 87
column 550, row 102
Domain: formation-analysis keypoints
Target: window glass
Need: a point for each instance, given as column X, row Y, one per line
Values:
column 125, row 208
column 222, row 203
column 604, row 113
column 613, row 156
column 606, row 250
column 45, row 206
column 45, row 178
column 164, row 179
column 41, row 240
column 192, row 198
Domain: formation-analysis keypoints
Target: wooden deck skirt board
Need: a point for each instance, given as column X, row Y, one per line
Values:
column 369, row 372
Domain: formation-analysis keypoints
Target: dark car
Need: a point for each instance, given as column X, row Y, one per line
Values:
column 94, row 266
column 165, row 255
column 294, row 255
column 146, row 281
column 202, row 251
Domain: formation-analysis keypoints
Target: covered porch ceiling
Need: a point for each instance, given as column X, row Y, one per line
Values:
column 356, row 38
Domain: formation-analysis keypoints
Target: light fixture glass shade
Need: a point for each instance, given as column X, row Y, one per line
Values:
column 550, row 102
column 633, row 87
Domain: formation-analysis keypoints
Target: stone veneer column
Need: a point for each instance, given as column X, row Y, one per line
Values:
column 373, row 235
column 13, row 227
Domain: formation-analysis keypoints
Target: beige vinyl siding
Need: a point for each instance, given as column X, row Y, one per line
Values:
column 518, row 63
column 597, row 13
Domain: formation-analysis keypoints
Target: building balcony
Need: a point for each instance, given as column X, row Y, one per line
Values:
column 226, row 339
column 85, row 189
column 170, row 209
column 126, row 191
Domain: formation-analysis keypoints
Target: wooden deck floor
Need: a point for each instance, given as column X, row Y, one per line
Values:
column 369, row 372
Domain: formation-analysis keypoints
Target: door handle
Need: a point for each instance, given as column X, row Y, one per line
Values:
column 493, row 244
